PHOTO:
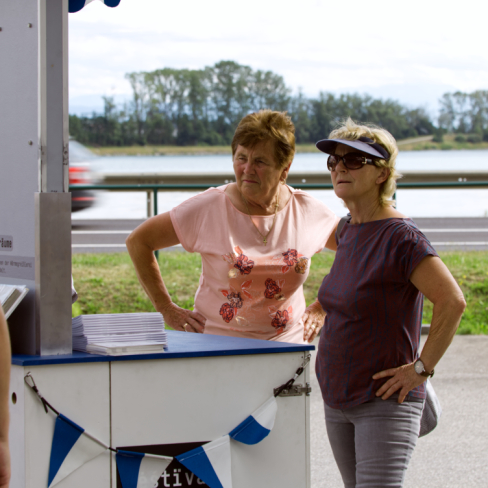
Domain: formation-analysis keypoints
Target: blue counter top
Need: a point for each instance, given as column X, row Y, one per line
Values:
column 180, row 345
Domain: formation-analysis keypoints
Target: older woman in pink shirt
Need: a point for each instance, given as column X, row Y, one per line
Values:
column 256, row 238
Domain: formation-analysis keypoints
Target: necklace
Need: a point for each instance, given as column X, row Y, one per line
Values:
column 277, row 204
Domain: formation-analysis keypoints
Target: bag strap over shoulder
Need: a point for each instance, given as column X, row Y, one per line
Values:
column 340, row 226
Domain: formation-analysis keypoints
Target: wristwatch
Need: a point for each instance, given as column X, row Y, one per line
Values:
column 420, row 369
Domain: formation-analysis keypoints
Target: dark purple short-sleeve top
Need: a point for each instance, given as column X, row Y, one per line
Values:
column 374, row 313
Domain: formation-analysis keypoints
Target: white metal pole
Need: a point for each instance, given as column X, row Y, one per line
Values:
column 53, row 95
column 53, row 202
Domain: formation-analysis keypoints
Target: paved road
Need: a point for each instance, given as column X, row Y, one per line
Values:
column 455, row 454
column 469, row 233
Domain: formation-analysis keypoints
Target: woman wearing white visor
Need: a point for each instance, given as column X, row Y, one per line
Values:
column 369, row 365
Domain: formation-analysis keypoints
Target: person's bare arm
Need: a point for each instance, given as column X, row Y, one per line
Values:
column 159, row 233
column 331, row 242
column 432, row 278
column 314, row 316
column 436, row 282
column 5, row 359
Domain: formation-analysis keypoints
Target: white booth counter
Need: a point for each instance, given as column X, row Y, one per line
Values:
column 200, row 389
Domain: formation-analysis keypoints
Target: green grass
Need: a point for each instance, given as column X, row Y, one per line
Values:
column 470, row 269
column 149, row 150
column 107, row 283
column 448, row 144
column 406, row 145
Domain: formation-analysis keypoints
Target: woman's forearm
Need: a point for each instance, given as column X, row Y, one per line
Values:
column 446, row 317
column 155, row 233
column 445, row 321
column 148, row 273
column 434, row 280
column 159, row 233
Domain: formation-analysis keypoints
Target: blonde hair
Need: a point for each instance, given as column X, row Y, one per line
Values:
column 352, row 131
column 267, row 125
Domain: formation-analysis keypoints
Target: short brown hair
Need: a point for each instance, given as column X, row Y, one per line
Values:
column 267, row 125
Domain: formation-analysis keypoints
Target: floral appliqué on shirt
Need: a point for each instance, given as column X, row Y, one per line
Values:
column 273, row 289
column 280, row 318
column 240, row 262
column 302, row 265
column 291, row 258
column 230, row 309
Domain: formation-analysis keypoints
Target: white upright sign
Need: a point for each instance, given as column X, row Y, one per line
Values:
column 33, row 161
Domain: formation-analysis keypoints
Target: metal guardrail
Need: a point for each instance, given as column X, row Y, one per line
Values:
column 303, row 186
column 148, row 188
column 295, row 178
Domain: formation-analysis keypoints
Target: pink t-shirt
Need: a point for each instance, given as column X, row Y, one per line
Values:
column 248, row 289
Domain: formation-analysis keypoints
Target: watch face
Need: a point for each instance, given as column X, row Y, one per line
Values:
column 419, row 367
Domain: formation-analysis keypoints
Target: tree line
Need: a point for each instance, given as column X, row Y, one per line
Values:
column 202, row 107
column 465, row 113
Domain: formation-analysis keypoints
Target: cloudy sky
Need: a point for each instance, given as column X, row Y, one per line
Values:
column 410, row 51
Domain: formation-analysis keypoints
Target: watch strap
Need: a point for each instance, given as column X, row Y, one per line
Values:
column 424, row 372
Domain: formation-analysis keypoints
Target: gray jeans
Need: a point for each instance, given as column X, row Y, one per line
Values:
column 373, row 442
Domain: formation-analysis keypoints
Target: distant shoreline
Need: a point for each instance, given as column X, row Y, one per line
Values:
column 424, row 143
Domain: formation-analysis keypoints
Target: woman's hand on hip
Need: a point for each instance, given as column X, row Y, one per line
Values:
column 184, row 320
column 403, row 378
column 313, row 320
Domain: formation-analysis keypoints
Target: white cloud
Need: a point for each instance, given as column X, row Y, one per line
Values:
column 314, row 44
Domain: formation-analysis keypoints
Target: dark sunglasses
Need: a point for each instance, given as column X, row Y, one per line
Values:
column 350, row 161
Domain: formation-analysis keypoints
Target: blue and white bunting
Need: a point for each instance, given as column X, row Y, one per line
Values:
column 210, row 462
column 71, row 448
column 139, row 470
column 258, row 425
column 77, row 5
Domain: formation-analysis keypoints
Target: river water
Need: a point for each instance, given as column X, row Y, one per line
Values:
column 415, row 203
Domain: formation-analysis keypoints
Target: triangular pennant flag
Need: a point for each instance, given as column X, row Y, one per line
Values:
column 71, row 448
column 210, row 462
column 139, row 470
column 258, row 425
column 77, row 5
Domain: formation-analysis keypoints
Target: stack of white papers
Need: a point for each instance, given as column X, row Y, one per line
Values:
column 11, row 296
column 119, row 334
